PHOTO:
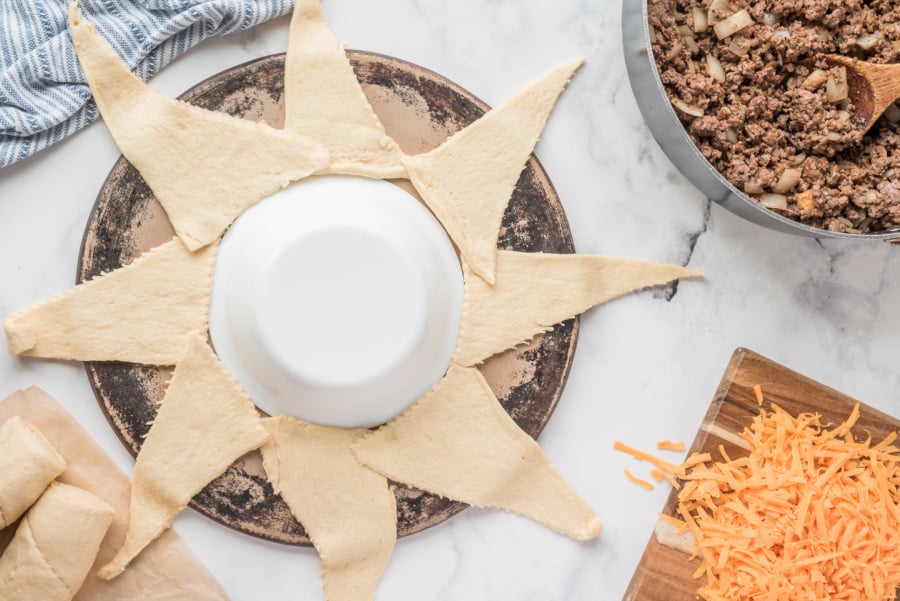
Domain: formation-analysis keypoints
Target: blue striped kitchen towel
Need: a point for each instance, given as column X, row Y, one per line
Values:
column 43, row 95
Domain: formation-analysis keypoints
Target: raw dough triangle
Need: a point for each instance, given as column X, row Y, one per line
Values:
column 348, row 510
column 140, row 313
column 205, row 422
column 457, row 442
column 323, row 100
column 535, row 291
column 204, row 167
column 468, row 180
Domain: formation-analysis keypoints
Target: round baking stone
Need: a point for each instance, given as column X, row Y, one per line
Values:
column 419, row 109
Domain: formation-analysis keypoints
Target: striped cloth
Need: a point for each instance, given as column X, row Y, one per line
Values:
column 43, row 95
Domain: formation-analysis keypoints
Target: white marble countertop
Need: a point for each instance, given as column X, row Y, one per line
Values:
column 646, row 366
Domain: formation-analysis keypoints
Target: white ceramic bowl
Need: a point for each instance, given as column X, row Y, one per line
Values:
column 336, row 300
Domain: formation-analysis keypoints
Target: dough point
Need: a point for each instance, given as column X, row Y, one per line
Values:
column 535, row 291
column 323, row 100
column 205, row 422
column 348, row 510
column 204, row 167
column 141, row 313
column 468, row 180
column 458, row 442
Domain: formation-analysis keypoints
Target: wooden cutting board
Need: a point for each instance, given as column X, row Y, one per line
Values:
column 665, row 573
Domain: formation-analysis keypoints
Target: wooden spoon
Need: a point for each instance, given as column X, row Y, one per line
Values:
column 872, row 88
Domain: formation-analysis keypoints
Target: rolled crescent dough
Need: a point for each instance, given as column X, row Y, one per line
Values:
column 458, row 442
column 55, row 546
column 141, row 313
column 203, row 166
column 535, row 291
column 324, row 101
column 348, row 510
column 468, row 180
column 28, row 464
column 204, row 423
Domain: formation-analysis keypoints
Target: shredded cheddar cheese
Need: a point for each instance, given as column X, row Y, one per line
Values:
column 638, row 481
column 661, row 464
column 812, row 513
column 757, row 391
column 668, row 445
column 681, row 525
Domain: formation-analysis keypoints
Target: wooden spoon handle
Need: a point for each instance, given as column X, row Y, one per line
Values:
column 885, row 81
column 889, row 78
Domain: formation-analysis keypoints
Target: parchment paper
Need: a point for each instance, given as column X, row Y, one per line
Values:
column 167, row 570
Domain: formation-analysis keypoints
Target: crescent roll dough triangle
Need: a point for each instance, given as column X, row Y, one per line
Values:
column 323, row 100
column 203, row 166
column 468, row 180
column 348, row 510
column 457, row 442
column 141, row 313
column 205, row 422
column 535, row 291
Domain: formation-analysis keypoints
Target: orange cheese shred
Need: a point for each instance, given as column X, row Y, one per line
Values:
column 812, row 512
column 668, row 445
column 642, row 483
column 660, row 464
column 681, row 525
column 757, row 391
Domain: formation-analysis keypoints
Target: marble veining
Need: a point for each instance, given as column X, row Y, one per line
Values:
column 646, row 366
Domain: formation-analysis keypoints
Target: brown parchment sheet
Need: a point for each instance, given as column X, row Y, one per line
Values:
column 167, row 570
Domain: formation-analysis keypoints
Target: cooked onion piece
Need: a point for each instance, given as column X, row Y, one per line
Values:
column 753, row 188
column 774, row 201
column 714, row 68
column 740, row 47
column 717, row 10
column 701, row 20
column 789, row 178
column 688, row 37
column 815, row 80
column 733, row 24
column 868, row 41
column 686, row 108
column 836, row 88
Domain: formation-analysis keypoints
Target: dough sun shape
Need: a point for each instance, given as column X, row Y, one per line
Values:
column 206, row 420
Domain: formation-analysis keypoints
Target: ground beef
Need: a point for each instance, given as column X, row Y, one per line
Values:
column 771, row 113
